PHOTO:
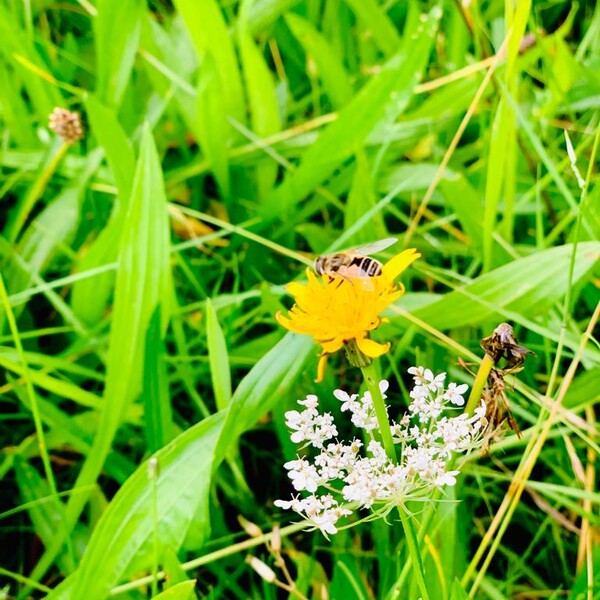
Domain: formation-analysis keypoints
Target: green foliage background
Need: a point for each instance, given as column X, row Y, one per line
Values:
column 227, row 143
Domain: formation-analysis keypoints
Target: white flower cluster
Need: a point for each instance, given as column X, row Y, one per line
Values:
column 427, row 440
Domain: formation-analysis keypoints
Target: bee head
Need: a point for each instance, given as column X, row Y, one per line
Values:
column 319, row 265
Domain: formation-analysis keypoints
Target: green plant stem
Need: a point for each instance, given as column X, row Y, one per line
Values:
column 35, row 192
column 413, row 550
column 482, row 374
column 372, row 382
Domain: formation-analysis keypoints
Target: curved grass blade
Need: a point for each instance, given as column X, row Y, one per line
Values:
column 142, row 284
column 527, row 286
column 379, row 101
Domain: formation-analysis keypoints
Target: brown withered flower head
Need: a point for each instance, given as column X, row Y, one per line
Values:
column 66, row 124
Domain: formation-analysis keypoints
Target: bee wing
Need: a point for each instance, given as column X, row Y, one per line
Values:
column 373, row 247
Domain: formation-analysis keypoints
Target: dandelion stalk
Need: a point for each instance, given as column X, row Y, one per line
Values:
column 385, row 431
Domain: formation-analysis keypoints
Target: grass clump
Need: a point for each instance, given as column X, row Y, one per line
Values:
column 145, row 250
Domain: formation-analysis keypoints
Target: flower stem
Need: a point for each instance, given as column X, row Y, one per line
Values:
column 482, row 374
column 413, row 550
column 35, row 192
column 372, row 382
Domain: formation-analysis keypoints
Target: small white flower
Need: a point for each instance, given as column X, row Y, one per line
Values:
column 447, row 478
column 348, row 401
column 434, row 383
column 454, row 393
column 417, row 373
column 384, row 385
column 425, row 377
column 311, row 401
column 304, row 476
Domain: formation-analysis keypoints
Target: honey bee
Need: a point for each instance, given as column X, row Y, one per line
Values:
column 353, row 263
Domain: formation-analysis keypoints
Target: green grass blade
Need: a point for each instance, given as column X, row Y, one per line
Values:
column 16, row 44
column 117, row 33
column 60, row 387
column 90, row 296
column 142, row 278
column 262, row 99
column 211, row 125
column 263, row 387
column 44, row 516
column 158, row 417
column 209, row 35
column 380, row 101
column 265, row 12
column 378, row 24
column 331, row 69
column 361, row 200
column 527, row 286
column 123, row 538
column 499, row 139
column 218, row 358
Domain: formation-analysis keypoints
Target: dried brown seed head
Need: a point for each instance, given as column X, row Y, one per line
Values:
column 66, row 124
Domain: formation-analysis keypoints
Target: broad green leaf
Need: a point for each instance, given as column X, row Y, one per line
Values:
column 218, row 358
column 123, row 537
column 90, row 296
column 466, row 202
column 53, row 228
column 381, row 100
column 171, row 565
column 584, row 390
column 180, row 591
column 331, row 69
column 117, row 34
column 263, row 387
column 527, row 286
column 142, row 284
column 112, row 138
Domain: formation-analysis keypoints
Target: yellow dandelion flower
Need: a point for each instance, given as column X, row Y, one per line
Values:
column 340, row 313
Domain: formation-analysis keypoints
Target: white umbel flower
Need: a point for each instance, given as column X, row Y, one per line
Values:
column 340, row 475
